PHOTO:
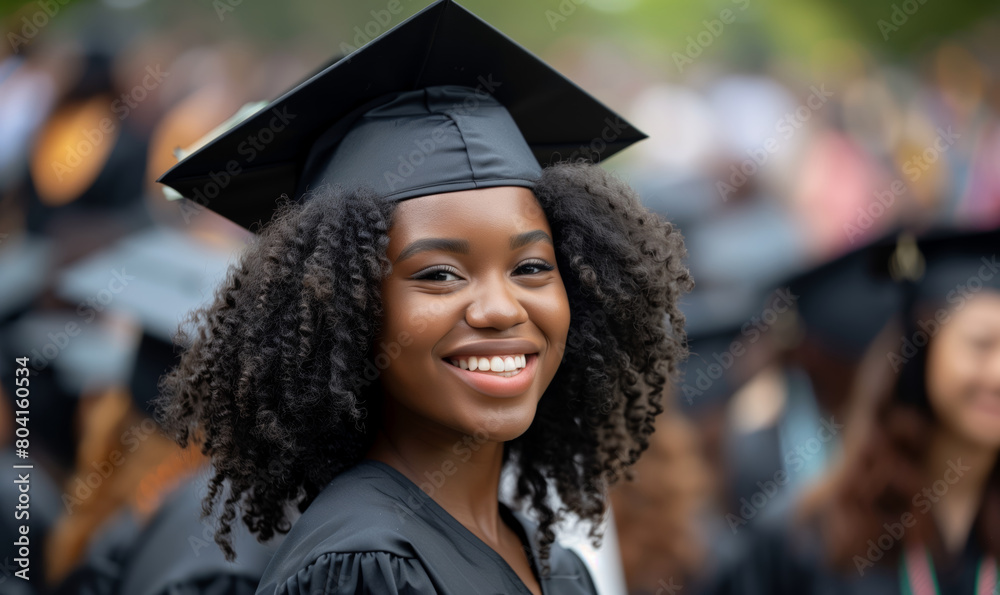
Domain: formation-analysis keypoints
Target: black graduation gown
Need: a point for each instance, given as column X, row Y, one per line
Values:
column 45, row 508
column 372, row 530
column 177, row 553
column 174, row 553
column 781, row 559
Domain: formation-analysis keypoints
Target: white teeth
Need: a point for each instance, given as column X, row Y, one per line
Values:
column 495, row 363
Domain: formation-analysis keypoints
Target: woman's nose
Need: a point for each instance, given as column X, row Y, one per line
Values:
column 495, row 303
column 992, row 369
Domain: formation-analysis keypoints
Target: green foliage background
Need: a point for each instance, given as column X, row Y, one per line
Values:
column 658, row 27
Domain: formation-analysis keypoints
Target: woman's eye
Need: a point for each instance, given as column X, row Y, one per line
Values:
column 443, row 273
column 537, row 265
column 438, row 274
column 981, row 344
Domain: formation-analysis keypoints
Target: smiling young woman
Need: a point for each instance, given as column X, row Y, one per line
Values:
column 399, row 337
column 277, row 388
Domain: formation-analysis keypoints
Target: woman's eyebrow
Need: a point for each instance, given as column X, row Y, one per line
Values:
column 425, row 244
column 528, row 237
column 460, row 246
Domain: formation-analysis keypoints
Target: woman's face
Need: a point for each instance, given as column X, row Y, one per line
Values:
column 963, row 370
column 474, row 276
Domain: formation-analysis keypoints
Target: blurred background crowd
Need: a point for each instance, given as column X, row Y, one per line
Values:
column 810, row 152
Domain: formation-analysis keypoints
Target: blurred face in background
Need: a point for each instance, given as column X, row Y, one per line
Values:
column 963, row 371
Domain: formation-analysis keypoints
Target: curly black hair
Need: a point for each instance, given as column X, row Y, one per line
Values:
column 270, row 387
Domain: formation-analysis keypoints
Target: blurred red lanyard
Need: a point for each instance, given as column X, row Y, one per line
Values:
column 916, row 574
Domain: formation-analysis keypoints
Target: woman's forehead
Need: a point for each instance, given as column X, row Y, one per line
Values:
column 470, row 214
column 978, row 309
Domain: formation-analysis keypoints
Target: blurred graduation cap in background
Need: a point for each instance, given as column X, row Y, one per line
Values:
column 841, row 306
column 754, row 244
column 160, row 275
column 155, row 277
column 456, row 105
column 62, row 367
column 844, row 303
column 84, row 357
column 936, row 273
column 88, row 158
column 947, row 265
column 25, row 263
column 719, row 337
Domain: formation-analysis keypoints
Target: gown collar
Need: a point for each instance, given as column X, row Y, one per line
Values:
column 509, row 516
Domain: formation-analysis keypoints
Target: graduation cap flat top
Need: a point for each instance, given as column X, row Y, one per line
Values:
column 848, row 300
column 952, row 265
column 162, row 275
column 442, row 102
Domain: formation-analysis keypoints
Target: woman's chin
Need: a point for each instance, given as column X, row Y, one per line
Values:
column 508, row 434
column 502, row 424
column 988, row 438
column 982, row 431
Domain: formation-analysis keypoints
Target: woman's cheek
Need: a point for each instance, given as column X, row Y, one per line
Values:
column 952, row 379
column 422, row 313
column 418, row 324
column 555, row 321
column 939, row 383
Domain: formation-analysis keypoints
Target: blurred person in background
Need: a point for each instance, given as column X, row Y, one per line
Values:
column 44, row 504
column 131, row 510
column 139, row 530
column 914, row 504
column 657, row 512
column 88, row 160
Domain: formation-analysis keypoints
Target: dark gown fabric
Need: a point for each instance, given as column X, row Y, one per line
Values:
column 372, row 530
column 174, row 554
column 780, row 559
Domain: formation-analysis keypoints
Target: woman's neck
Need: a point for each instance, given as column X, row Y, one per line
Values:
column 459, row 472
column 957, row 471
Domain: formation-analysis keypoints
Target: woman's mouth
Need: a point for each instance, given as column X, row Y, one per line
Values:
column 986, row 402
column 514, row 373
column 499, row 365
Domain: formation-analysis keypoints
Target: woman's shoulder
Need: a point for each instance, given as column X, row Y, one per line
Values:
column 355, row 527
column 565, row 564
column 372, row 531
column 363, row 508
column 349, row 573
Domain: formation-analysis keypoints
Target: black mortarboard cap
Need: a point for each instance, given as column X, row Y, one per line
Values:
column 941, row 270
column 158, row 275
column 154, row 357
column 440, row 103
column 844, row 303
column 718, row 323
column 955, row 264
column 25, row 261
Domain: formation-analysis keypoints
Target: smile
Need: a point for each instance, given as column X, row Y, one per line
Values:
column 496, row 375
column 504, row 365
